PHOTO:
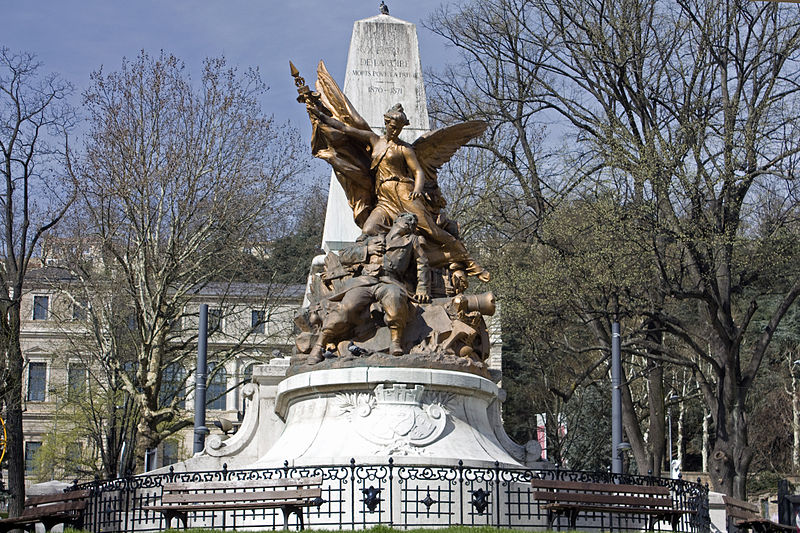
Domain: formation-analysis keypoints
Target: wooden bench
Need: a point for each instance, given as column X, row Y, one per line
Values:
column 50, row 509
column 745, row 515
column 569, row 498
column 290, row 495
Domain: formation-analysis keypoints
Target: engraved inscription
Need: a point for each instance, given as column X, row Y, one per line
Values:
column 393, row 63
column 385, row 90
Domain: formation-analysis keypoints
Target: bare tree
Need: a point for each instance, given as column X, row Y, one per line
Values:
column 34, row 120
column 178, row 178
column 687, row 110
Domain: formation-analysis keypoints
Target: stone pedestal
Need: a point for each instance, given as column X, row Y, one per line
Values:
column 413, row 415
column 371, row 414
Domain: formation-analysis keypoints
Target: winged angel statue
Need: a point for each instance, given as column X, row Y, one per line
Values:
column 383, row 176
column 385, row 280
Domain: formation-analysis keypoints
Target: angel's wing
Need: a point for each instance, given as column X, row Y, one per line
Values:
column 435, row 148
column 334, row 99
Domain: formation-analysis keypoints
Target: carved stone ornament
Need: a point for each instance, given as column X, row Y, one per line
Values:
column 223, row 445
column 395, row 417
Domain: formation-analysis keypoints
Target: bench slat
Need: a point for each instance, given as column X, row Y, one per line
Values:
column 55, row 508
column 226, row 506
column 234, row 496
column 36, row 517
column 597, row 487
column 740, row 508
column 741, row 514
column 616, row 509
column 762, row 524
column 242, row 484
column 57, row 497
column 582, row 497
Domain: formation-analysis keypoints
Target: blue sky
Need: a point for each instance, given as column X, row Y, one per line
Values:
column 74, row 37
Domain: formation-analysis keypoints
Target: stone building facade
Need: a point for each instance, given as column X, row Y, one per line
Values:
column 255, row 327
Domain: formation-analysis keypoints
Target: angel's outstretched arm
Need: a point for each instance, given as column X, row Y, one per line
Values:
column 365, row 136
column 418, row 172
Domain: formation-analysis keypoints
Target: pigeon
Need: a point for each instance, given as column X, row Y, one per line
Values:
column 355, row 350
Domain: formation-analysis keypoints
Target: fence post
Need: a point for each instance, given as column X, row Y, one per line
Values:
column 497, row 492
column 352, row 493
column 461, row 488
column 391, row 492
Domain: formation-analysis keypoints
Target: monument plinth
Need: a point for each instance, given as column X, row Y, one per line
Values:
column 415, row 416
column 383, row 68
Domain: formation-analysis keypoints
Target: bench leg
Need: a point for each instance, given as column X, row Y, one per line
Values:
column 552, row 516
column 49, row 524
column 169, row 515
column 287, row 512
column 78, row 522
column 573, row 518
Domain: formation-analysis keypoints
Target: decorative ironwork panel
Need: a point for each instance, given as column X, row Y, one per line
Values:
column 359, row 496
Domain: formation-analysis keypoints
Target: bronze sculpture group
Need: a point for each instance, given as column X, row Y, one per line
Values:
column 407, row 272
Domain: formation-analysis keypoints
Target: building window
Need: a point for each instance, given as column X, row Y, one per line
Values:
column 76, row 381
column 41, row 306
column 257, row 320
column 217, row 387
column 248, row 373
column 214, row 320
column 73, row 452
column 30, row 454
column 173, row 386
column 37, row 381
column 169, row 453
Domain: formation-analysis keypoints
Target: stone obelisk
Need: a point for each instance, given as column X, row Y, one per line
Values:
column 383, row 69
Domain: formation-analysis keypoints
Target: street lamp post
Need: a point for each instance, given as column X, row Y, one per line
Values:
column 200, row 429
column 672, row 398
column 616, row 400
column 669, row 432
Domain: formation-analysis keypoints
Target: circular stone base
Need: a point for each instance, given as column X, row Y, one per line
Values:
column 413, row 415
column 428, row 361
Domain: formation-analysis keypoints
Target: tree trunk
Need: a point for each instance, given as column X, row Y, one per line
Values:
column 648, row 452
column 142, row 445
column 731, row 455
column 15, row 445
column 705, row 444
column 655, row 400
column 679, row 437
column 795, row 414
column 681, row 418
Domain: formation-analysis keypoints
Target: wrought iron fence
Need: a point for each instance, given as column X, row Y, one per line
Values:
column 357, row 496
